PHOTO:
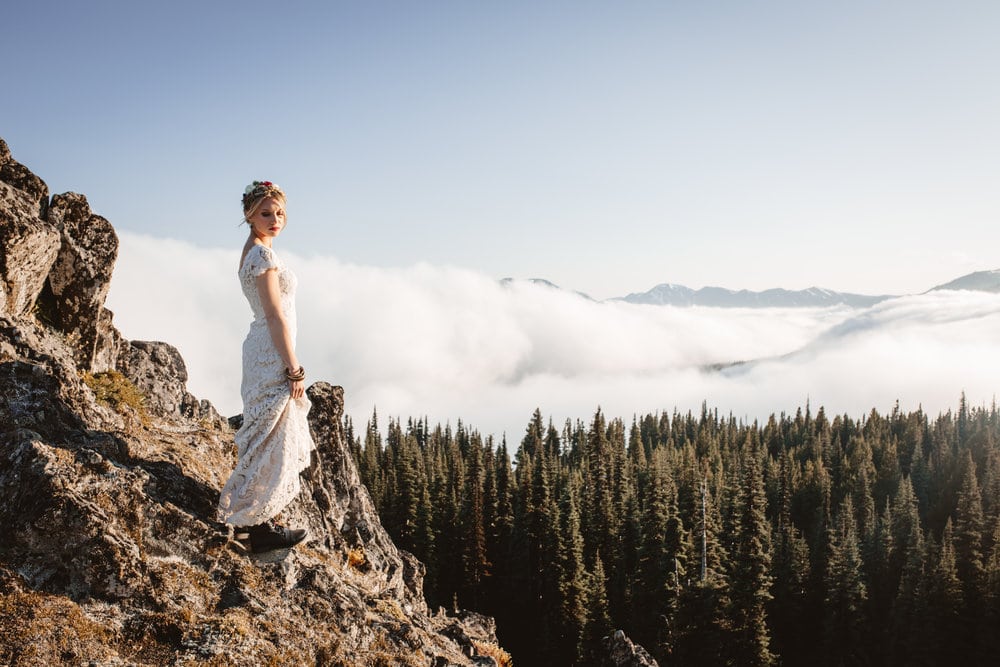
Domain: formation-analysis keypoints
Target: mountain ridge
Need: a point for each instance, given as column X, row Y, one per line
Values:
column 977, row 281
column 669, row 294
column 672, row 294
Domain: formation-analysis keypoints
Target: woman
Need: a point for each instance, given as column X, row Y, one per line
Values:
column 273, row 443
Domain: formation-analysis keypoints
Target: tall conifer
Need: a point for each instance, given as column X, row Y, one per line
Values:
column 751, row 579
column 846, row 596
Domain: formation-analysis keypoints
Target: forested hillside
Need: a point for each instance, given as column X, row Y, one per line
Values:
column 803, row 540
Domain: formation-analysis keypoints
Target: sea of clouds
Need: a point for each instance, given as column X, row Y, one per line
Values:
column 452, row 343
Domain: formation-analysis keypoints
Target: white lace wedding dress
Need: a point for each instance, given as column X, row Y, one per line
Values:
column 274, row 443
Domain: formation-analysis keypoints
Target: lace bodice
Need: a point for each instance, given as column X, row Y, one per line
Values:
column 258, row 260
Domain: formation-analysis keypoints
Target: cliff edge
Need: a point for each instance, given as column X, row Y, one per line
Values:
column 110, row 472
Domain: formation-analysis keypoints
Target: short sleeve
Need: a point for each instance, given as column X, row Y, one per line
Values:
column 261, row 259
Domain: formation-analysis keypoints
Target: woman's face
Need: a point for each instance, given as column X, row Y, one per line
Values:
column 268, row 220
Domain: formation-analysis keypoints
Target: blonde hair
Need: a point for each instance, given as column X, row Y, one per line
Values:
column 256, row 193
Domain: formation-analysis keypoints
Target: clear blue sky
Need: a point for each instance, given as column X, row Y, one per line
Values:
column 607, row 146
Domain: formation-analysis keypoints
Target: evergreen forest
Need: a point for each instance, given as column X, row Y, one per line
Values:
column 804, row 540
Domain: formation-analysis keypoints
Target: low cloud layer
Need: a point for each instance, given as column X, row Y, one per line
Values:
column 451, row 343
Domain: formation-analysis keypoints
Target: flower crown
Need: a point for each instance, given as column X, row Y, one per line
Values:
column 259, row 190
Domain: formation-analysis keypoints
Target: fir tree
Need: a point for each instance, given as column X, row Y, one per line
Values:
column 946, row 641
column 854, row 509
column 598, row 616
column 500, row 531
column 909, row 606
column 991, row 597
column 846, row 595
column 751, row 580
column 702, row 625
column 573, row 585
column 475, row 562
column 791, row 576
column 969, row 544
column 656, row 583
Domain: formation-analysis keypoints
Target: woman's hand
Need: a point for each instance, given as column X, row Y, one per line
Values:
column 297, row 388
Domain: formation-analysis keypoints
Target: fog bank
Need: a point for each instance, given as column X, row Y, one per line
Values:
column 452, row 343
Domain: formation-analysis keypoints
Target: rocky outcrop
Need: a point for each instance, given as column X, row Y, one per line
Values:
column 623, row 652
column 158, row 371
column 21, row 178
column 109, row 478
column 81, row 276
column 28, row 248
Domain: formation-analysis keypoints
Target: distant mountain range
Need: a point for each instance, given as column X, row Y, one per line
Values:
column 542, row 282
column 718, row 297
column 980, row 281
column 667, row 294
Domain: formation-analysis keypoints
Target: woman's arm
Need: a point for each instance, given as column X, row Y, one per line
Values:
column 270, row 300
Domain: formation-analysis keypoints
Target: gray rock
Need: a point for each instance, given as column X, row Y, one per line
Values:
column 40, row 387
column 623, row 652
column 109, row 343
column 16, row 174
column 31, row 399
column 202, row 411
column 158, row 371
column 28, row 248
column 81, row 275
column 346, row 515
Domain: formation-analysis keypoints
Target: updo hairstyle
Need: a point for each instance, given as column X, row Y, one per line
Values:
column 255, row 194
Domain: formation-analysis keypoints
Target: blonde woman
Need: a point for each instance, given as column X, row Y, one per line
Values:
column 273, row 443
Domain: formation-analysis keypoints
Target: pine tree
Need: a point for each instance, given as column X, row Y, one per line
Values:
column 944, row 627
column 370, row 467
column 969, row 559
column 409, row 478
column 909, row 606
column 630, row 540
column 518, row 611
column 877, row 556
column 499, row 539
column 656, row 585
column 791, row 576
column 447, row 511
column 899, row 509
column 907, row 532
column 702, row 625
column 991, row 485
column 991, row 597
column 598, row 616
column 573, row 585
column 846, row 595
column 751, row 580
column 475, row 562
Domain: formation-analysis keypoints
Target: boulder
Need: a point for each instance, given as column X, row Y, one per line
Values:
column 158, row 372
column 16, row 174
column 623, row 652
column 28, row 249
column 110, row 343
column 203, row 411
column 40, row 387
column 81, row 274
column 338, row 506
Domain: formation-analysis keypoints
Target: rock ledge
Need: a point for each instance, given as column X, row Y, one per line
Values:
column 112, row 553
